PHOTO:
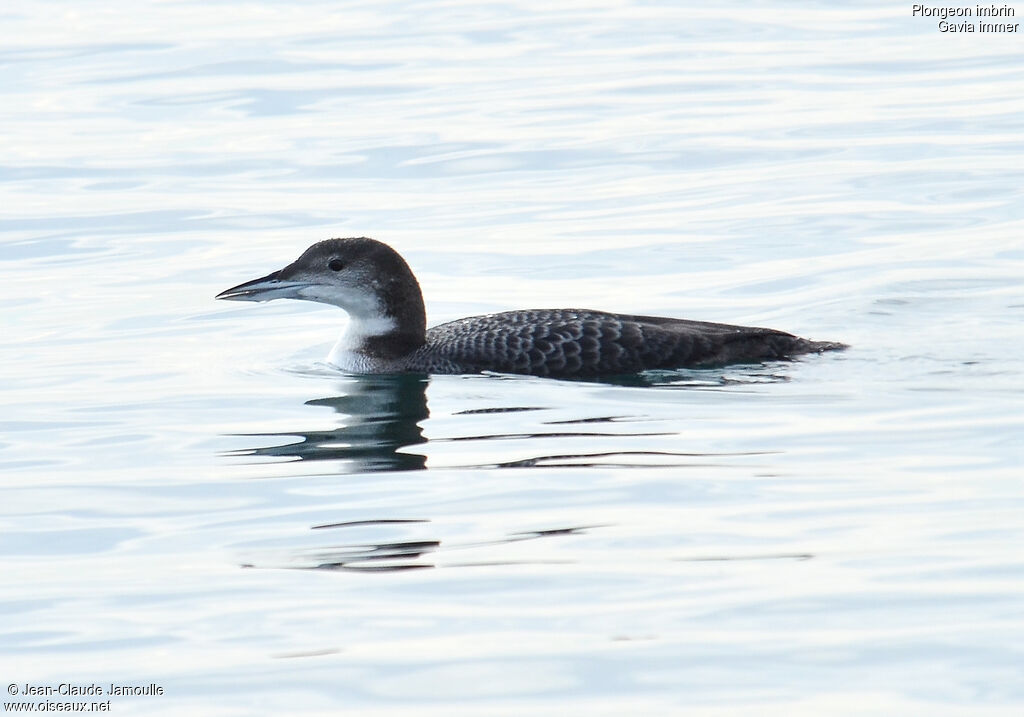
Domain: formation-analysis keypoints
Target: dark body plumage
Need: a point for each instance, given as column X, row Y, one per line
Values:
column 386, row 331
column 566, row 343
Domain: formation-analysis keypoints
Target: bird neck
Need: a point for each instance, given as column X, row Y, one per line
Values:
column 394, row 329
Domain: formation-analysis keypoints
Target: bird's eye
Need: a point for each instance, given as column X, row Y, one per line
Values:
column 335, row 265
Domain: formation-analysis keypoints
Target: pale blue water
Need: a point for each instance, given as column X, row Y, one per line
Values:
column 190, row 499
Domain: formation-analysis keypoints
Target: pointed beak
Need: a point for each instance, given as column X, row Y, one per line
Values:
column 265, row 288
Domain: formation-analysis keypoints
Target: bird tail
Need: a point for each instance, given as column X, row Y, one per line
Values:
column 816, row 347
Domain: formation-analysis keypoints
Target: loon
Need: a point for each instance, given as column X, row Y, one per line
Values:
column 387, row 330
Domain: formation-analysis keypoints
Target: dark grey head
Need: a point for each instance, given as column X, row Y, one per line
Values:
column 365, row 277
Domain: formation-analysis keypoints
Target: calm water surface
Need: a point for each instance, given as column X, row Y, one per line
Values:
column 191, row 499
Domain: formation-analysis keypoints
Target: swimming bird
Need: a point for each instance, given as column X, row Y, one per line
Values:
column 387, row 330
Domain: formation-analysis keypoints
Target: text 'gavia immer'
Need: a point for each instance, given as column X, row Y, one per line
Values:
column 387, row 329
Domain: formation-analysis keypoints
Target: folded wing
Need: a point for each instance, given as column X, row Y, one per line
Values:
column 570, row 343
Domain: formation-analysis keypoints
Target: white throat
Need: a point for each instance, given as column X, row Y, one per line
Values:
column 348, row 354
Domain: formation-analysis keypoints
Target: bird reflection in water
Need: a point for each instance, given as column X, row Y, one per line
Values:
column 417, row 554
column 381, row 415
